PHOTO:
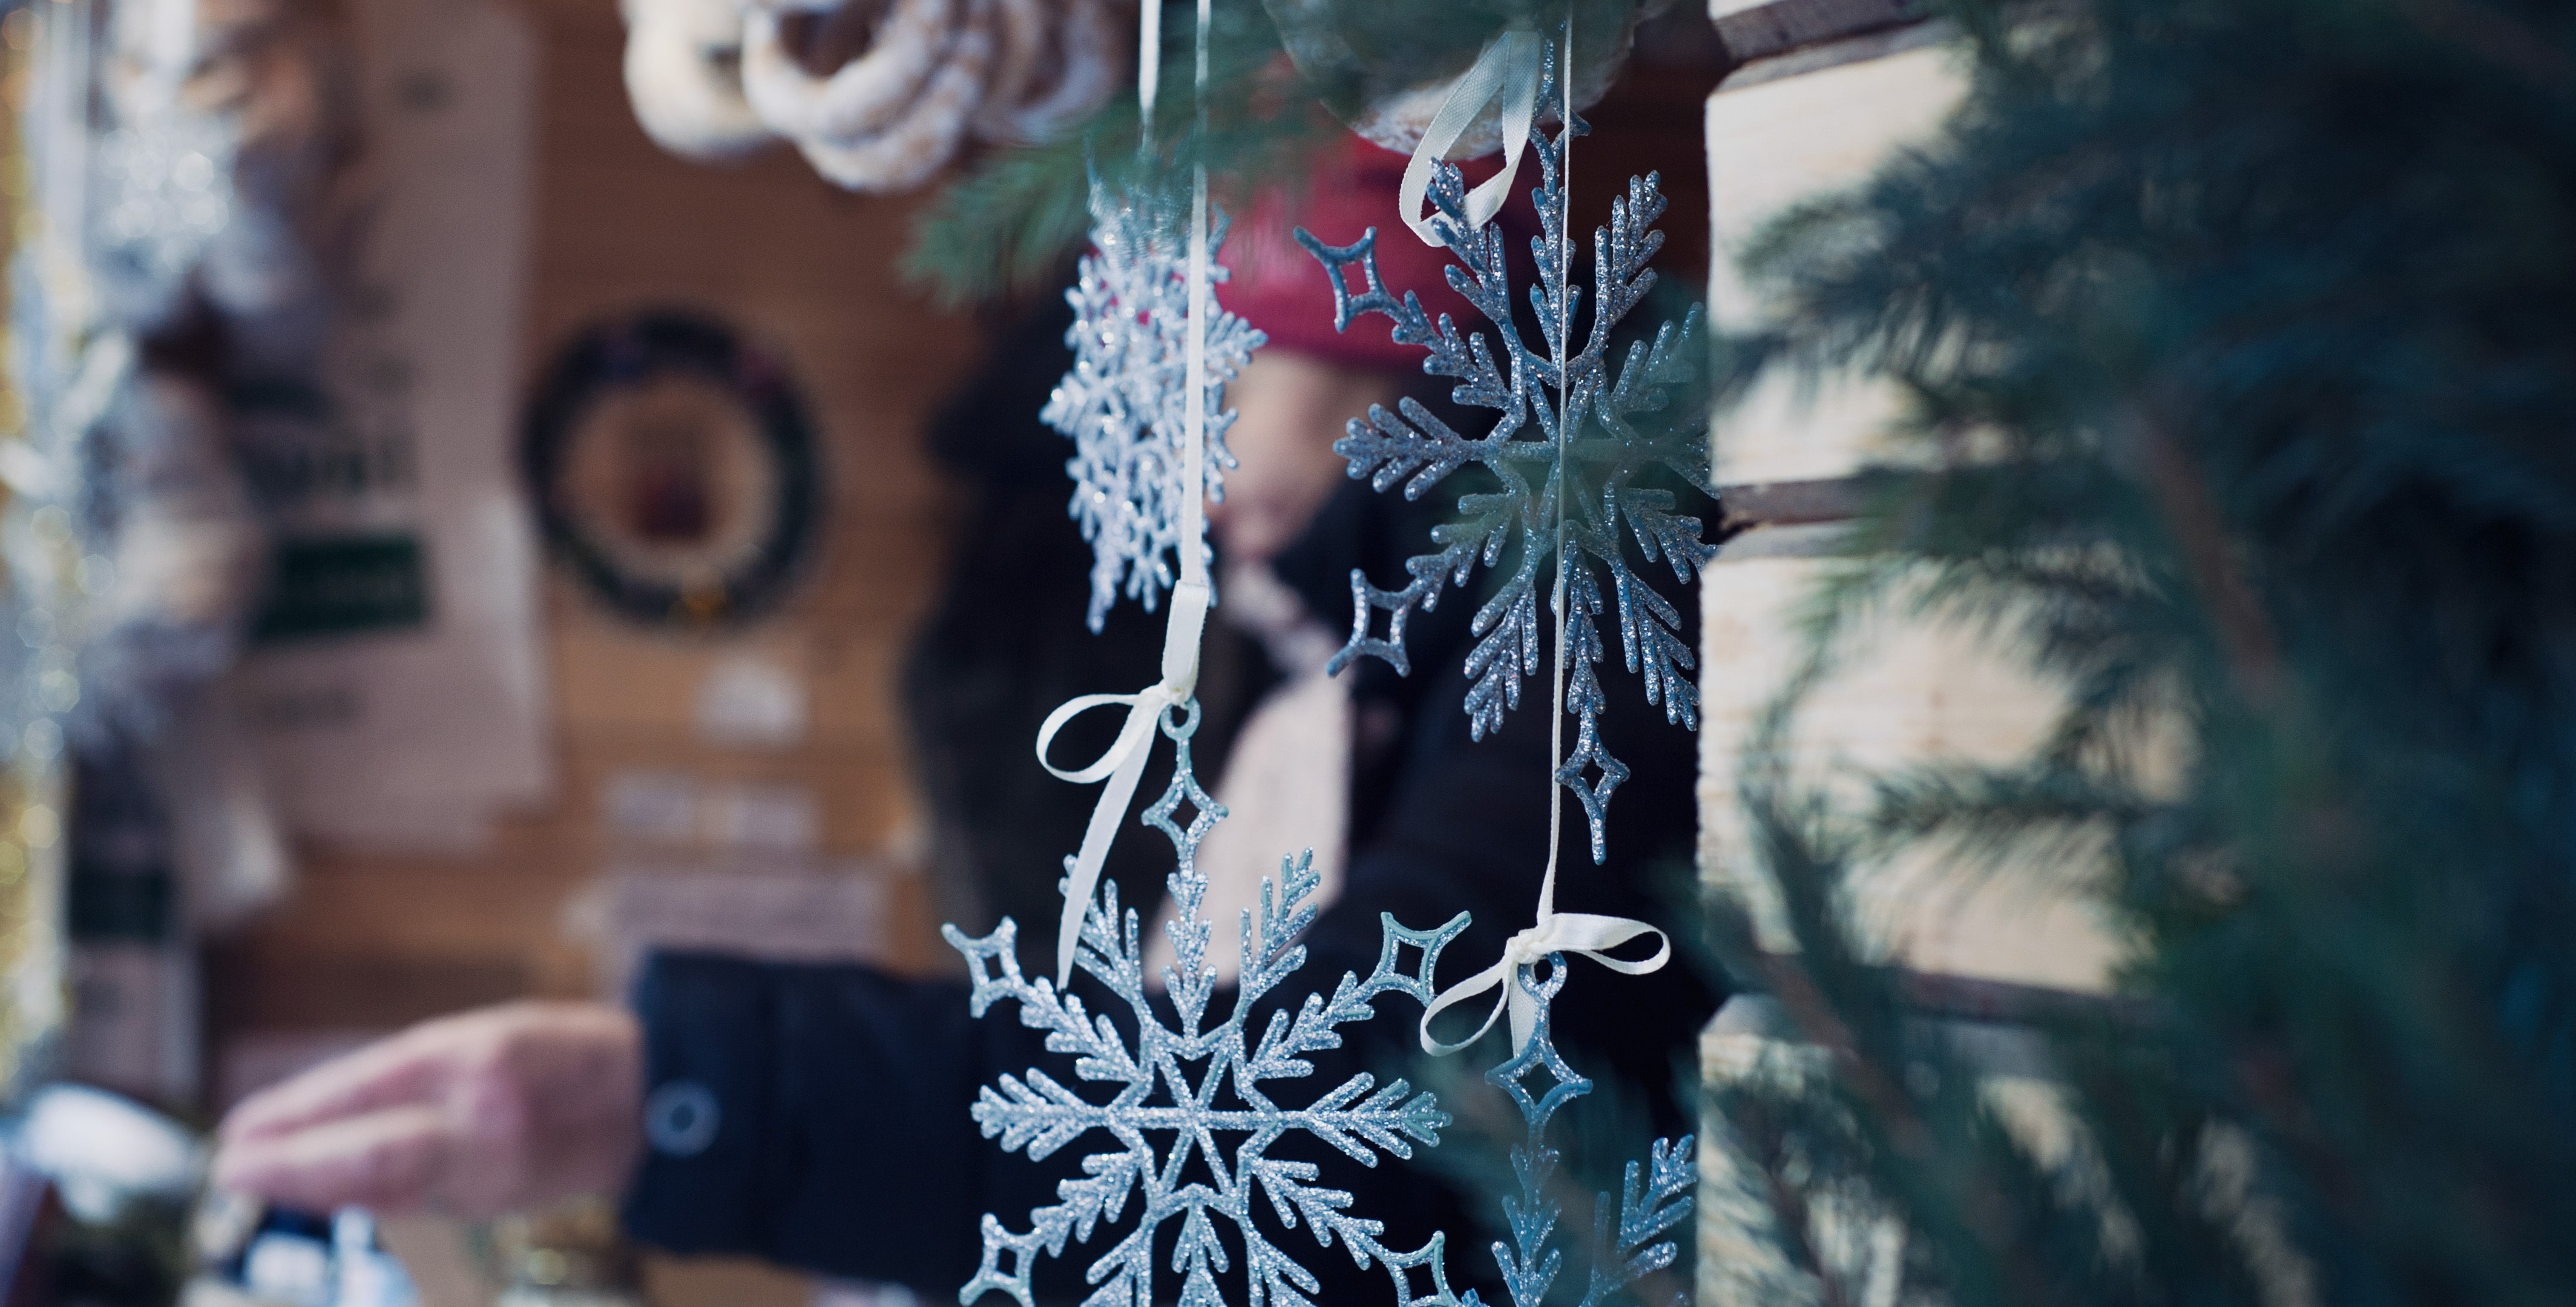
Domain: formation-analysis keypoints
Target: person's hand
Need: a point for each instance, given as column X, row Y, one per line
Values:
column 491, row 1111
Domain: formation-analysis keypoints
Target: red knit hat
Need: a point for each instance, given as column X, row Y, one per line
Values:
column 1280, row 288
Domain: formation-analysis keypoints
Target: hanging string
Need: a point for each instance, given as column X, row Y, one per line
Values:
column 1194, row 569
column 1580, row 934
column 1123, row 764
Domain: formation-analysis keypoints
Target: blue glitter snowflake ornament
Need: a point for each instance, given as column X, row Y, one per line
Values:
column 1200, row 1092
column 1125, row 400
column 1616, row 432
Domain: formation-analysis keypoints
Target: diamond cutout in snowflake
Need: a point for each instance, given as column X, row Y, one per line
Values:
column 1125, row 400
column 1205, row 1089
column 1616, row 432
column 1561, row 1084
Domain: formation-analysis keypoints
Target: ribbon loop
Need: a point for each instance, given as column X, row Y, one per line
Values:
column 1122, row 765
column 1577, row 934
column 1508, row 70
column 1141, row 706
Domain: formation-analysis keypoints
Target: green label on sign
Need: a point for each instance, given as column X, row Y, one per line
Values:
column 345, row 585
column 111, row 906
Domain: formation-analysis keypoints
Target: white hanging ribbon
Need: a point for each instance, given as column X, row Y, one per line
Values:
column 1575, row 934
column 1508, row 70
column 1149, row 66
column 1123, row 765
column 1124, row 762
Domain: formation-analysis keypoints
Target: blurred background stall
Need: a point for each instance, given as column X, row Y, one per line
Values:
column 474, row 513
column 717, row 778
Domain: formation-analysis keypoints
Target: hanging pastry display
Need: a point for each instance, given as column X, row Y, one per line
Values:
column 878, row 95
column 684, row 77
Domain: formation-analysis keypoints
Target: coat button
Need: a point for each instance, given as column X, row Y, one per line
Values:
column 680, row 1118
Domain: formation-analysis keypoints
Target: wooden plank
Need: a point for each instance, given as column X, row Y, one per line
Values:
column 1775, row 142
column 1761, row 29
column 1747, row 1185
column 1792, row 503
column 1911, row 691
column 1754, row 1045
column 1794, row 457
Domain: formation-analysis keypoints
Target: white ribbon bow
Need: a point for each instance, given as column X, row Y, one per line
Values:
column 1508, row 70
column 1580, row 934
column 1123, row 764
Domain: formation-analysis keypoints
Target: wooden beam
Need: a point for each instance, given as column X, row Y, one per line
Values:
column 1759, row 29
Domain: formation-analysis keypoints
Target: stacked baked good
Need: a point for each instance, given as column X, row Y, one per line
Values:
column 878, row 94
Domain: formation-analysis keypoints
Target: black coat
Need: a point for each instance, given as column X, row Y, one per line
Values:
column 841, row 1140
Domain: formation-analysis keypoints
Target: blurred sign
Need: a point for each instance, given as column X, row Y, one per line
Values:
column 399, row 685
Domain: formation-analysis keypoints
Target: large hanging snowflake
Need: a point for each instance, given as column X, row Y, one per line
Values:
column 1616, row 432
column 1192, row 1086
column 1624, row 1257
column 1125, row 400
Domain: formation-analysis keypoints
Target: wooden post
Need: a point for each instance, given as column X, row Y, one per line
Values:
column 1828, row 91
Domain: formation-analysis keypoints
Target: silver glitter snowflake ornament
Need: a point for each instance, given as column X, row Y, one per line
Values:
column 1618, row 431
column 1650, row 1207
column 163, row 191
column 1125, row 400
column 1203, row 1092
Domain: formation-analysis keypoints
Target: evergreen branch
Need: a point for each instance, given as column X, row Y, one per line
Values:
column 2257, row 463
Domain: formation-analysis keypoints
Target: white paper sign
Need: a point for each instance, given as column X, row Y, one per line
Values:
column 399, row 682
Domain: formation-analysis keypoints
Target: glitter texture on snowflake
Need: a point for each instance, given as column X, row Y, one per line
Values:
column 1650, row 1207
column 1125, row 400
column 164, row 190
column 1191, row 1083
column 1625, row 427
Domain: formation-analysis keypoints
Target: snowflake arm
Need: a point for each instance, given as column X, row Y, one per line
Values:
column 1649, row 1208
column 1411, row 445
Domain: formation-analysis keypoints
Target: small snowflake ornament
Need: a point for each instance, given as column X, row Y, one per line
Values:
column 1617, row 429
column 1195, row 1098
column 1125, row 401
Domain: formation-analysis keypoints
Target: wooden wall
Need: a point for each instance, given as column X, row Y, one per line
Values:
column 370, row 941
column 805, row 270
